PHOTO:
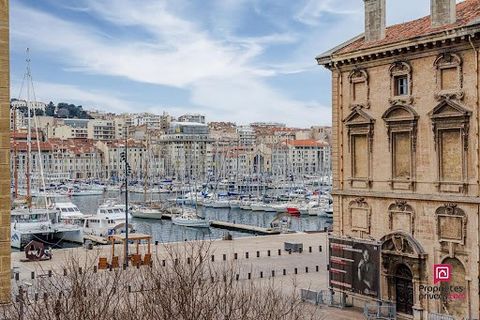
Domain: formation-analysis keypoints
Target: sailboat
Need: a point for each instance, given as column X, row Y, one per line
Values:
column 41, row 222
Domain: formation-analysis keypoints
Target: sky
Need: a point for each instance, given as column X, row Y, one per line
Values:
column 232, row 60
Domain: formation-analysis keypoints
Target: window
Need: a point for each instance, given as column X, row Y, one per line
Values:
column 400, row 83
column 402, row 155
column 448, row 78
column 401, row 86
column 401, row 122
column 360, row 154
column 360, row 137
column 359, row 88
column 450, row 155
column 451, row 123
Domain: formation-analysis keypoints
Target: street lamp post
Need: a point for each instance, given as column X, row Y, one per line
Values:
column 127, row 169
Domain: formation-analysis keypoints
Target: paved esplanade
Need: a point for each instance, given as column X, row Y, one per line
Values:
column 257, row 268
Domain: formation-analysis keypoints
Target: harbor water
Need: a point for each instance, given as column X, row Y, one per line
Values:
column 165, row 231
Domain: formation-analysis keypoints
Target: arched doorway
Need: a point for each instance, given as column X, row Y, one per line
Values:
column 403, row 263
column 404, row 289
column 456, row 306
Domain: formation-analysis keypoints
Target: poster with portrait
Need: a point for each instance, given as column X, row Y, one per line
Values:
column 354, row 265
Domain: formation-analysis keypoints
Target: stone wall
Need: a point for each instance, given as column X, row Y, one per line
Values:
column 4, row 154
column 441, row 215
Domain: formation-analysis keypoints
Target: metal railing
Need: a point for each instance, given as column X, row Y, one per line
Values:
column 378, row 311
column 439, row 316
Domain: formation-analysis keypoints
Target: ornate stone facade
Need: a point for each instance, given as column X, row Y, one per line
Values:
column 412, row 182
column 4, row 154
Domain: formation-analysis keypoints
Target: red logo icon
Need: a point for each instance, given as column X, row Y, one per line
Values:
column 441, row 273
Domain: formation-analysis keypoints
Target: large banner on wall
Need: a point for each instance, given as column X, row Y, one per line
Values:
column 354, row 265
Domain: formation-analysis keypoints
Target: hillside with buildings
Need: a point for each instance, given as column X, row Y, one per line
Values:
column 163, row 146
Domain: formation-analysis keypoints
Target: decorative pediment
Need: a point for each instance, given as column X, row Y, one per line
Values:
column 400, row 113
column 448, row 59
column 400, row 67
column 358, row 117
column 401, row 243
column 449, row 109
column 450, row 209
column 400, row 205
column 358, row 75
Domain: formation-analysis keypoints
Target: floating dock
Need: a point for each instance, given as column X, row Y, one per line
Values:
column 235, row 226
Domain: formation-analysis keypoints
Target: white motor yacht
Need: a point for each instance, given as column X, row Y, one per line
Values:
column 38, row 224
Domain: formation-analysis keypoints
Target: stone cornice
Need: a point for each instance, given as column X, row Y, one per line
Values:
column 408, row 196
column 409, row 45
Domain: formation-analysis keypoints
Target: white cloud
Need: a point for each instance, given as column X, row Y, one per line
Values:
column 89, row 99
column 219, row 72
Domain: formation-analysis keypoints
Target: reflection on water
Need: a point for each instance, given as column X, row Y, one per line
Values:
column 165, row 231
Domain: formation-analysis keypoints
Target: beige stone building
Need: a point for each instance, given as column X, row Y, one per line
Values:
column 4, row 154
column 406, row 136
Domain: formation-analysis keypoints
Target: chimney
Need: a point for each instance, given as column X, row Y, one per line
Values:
column 443, row 12
column 375, row 11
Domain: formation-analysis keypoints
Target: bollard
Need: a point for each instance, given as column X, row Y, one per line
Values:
column 316, row 268
column 213, row 258
column 273, row 273
column 261, row 274
column 32, row 275
column 246, row 255
column 306, row 269
column 310, row 249
column 249, row 276
column 319, row 248
column 279, row 252
column 295, row 271
column 268, row 253
column 284, row 272
column 235, row 256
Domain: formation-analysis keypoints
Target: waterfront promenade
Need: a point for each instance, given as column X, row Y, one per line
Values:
column 260, row 258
